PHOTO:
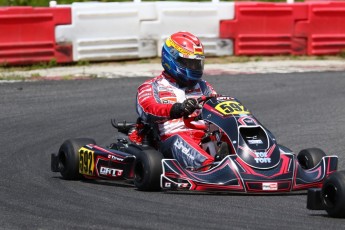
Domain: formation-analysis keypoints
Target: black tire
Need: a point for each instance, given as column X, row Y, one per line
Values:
column 69, row 158
column 147, row 168
column 333, row 194
column 309, row 158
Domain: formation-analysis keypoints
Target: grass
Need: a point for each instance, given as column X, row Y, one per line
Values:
column 83, row 63
column 342, row 53
column 12, row 78
column 43, row 65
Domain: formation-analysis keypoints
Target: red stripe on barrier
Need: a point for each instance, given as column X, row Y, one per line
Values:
column 265, row 28
column 325, row 28
column 27, row 35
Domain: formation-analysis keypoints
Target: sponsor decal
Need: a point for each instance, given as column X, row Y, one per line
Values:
column 114, row 158
column 261, row 157
column 162, row 88
column 86, row 161
column 110, row 172
column 167, row 185
column 182, row 185
column 165, row 88
column 270, row 186
column 179, row 145
column 255, row 142
column 225, row 98
column 167, row 65
column 231, row 108
column 170, row 42
column 164, row 94
column 248, row 120
column 193, row 91
column 198, row 50
column 169, row 101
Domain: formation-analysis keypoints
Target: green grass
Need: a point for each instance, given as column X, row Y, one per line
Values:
column 342, row 53
column 44, row 65
column 83, row 63
column 12, row 78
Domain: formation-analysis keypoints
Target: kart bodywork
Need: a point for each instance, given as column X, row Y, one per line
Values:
column 233, row 174
column 256, row 163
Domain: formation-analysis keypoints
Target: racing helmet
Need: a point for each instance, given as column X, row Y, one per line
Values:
column 183, row 58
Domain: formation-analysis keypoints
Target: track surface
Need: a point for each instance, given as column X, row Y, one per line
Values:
column 302, row 110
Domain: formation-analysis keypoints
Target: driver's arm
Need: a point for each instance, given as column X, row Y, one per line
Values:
column 149, row 106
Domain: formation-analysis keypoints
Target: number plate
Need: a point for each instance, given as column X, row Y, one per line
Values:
column 231, row 108
column 86, row 161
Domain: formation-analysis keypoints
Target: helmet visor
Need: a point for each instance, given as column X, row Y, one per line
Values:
column 192, row 64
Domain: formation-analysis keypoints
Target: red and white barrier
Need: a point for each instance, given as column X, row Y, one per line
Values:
column 265, row 28
column 324, row 29
column 108, row 31
column 123, row 30
column 27, row 35
column 199, row 18
column 312, row 28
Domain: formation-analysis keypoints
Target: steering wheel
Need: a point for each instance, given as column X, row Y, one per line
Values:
column 188, row 120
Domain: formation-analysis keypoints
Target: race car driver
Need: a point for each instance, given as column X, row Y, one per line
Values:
column 167, row 98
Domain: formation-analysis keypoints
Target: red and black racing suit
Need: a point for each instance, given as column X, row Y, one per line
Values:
column 155, row 98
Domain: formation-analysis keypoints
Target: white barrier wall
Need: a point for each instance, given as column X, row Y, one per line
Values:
column 122, row 30
column 199, row 18
column 108, row 31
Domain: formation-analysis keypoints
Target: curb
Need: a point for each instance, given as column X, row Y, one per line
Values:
column 117, row 70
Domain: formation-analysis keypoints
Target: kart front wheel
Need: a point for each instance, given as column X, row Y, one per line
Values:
column 333, row 194
column 309, row 158
column 68, row 157
column 147, row 168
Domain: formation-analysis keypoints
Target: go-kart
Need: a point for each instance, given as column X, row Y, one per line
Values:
column 256, row 163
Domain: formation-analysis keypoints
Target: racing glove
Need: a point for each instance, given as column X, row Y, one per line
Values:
column 184, row 109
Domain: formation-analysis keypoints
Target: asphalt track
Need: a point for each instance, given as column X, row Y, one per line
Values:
column 302, row 110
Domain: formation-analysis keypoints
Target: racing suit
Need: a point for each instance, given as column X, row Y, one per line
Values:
column 155, row 99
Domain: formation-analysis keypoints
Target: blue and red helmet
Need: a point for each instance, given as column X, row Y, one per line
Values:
column 183, row 58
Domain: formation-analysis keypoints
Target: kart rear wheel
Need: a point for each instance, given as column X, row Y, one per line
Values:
column 69, row 158
column 147, row 168
column 309, row 158
column 333, row 194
